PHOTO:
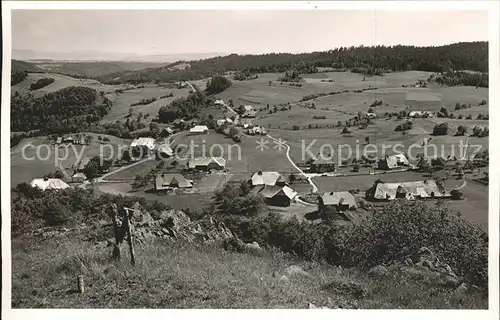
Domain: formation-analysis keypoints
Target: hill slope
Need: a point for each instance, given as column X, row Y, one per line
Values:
column 370, row 60
column 180, row 275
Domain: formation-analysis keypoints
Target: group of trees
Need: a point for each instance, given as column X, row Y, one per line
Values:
column 440, row 129
column 41, row 83
column 33, row 208
column 97, row 166
column 407, row 125
column 388, row 235
column 313, row 96
column 368, row 60
column 144, row 101
column 17, row 76
column 183, row 108
column 236, row 199
column 217, row 84
column 245, row 75
column 480, row 131
column 457, row 78
column 290, row 76
column 72, row 109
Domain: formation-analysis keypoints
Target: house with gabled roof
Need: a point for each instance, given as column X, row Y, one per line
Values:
column 145, row 142
column 199, row 130
column 207, row 163
column 49, row 184
column 322, row 165
column 169, row 181
column 281, row 196
column 340, row 200
column 269, row 178
column 393, row 162
column 78, row 177
column 407, row 190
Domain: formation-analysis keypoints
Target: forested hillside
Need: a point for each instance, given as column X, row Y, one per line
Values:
column 367, row 60
column 20, row 70
column 70, row 109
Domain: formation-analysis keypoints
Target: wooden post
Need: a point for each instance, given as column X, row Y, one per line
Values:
column 130, row 236
column 116, row 228
column 81, row 284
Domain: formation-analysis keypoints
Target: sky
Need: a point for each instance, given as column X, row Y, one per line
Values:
column 189, row 31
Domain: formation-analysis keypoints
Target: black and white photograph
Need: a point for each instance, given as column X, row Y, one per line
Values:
column 239, row 157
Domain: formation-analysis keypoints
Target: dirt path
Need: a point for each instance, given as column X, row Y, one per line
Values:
column 315, row 188
column 103, row 177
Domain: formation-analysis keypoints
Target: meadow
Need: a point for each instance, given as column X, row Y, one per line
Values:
column 174, row 275
column 24, row 170
column 60, row 82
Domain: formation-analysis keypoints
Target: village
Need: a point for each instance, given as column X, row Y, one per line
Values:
column 246, row 163
column 294, row 193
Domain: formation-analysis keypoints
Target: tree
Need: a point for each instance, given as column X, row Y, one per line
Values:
column 367, row 140
column 236, row 199
column 91, row 170
column 58, row 175
column 440, row 129
column 126, row 155
column 291, row 178
column 423, row 165
column 456, row 194
column 217, row 84
column 461, row 130
column 355, row 168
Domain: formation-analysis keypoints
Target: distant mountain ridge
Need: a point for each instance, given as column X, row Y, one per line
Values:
column 370, row 61
column 94, row 56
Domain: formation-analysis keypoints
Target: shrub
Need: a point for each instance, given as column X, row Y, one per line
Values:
column 440, row 129
column 41, row 83
column 461, row 130
column 400, row 230
column 404, row 126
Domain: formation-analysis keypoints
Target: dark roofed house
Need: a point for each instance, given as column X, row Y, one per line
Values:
column 169, row 181
column 322, row 165
column 393, row 162
column 280, row 196
column 341, row 200
column 207, row 163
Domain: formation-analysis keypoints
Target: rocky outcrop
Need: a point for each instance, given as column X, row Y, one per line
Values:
column 424, row 265
column 295, row 270
column 176, row 225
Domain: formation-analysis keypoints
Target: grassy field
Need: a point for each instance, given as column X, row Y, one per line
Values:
column 122, row 101
column 173, row 275
column 60, row 82
column 24, row 170
column 474, row 206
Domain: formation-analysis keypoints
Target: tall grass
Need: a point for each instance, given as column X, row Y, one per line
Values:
column 180, row 275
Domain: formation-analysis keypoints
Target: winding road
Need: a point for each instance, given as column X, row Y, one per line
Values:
column 315, row 188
